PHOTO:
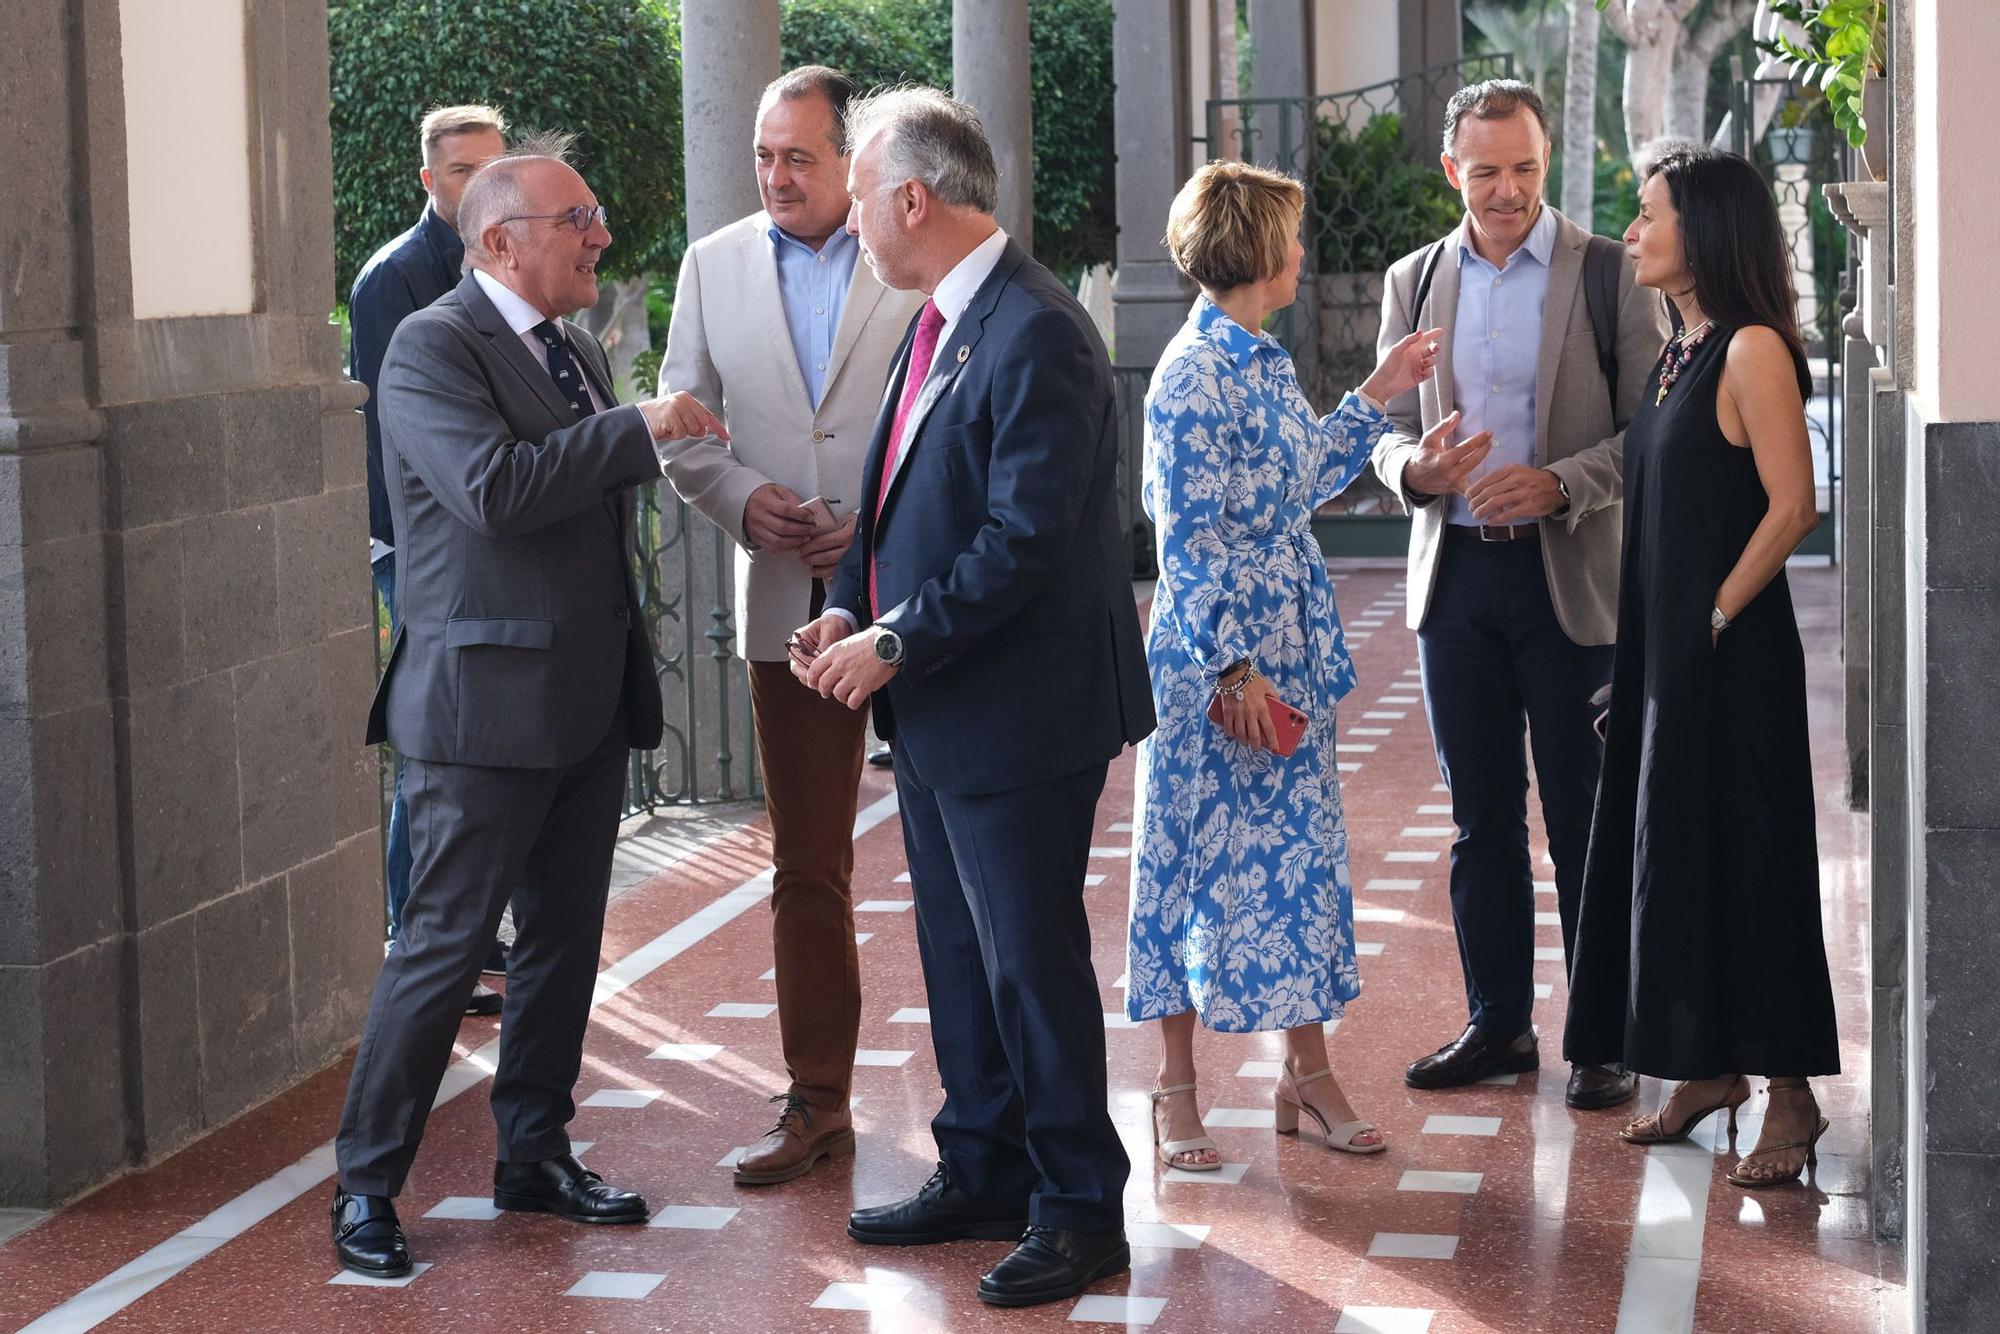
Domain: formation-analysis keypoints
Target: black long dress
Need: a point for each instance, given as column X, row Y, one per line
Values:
column 1698, row 944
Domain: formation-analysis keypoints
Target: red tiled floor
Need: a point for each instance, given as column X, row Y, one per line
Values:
column 1541, row 1245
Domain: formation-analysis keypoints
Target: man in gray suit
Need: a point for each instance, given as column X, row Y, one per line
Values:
column 1513, row 571
column 519, row 677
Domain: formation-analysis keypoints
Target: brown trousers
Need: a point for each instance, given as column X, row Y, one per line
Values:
column 810, row 750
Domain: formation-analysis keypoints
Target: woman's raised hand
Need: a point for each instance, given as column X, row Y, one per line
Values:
column 1404, row 366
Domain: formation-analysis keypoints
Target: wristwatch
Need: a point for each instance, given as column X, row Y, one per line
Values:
column 889, row 647
column 1563, row 487
column 1716, row 620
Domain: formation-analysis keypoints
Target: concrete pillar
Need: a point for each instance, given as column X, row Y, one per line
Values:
column 1429, row 36
column 729, row 51
column 1281, row 66
column 989, row 69
column 1149, row 65
column 190, row 870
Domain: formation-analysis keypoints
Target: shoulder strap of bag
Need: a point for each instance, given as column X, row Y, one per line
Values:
column 1424, row 285
column 1602, row 258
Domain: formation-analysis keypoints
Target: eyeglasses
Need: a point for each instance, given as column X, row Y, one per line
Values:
column 579, row 217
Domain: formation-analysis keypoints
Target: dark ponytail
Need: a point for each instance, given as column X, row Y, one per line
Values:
column 1734, row 245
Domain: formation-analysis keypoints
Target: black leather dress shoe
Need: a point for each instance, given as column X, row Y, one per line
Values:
column 1052, row 1263
column 1471, row 1057
column 367, row 1237
column 882, row 757
column 1594, row 1087
column 939, row 1211
column 564, row 1186
column 485, row 1000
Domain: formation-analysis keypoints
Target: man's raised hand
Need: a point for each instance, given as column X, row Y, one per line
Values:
column 1441, row 468
column 679, row 417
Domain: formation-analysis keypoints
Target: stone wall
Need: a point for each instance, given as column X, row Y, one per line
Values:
column 190, row 896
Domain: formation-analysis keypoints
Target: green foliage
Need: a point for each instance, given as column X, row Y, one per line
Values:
column 606, row 69
column 1375, row 200
column 896, row 41
column 1614, row 191
column 1842, row 48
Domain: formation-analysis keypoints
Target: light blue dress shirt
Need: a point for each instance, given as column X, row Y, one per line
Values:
column 813, row 285
column 1496, row 342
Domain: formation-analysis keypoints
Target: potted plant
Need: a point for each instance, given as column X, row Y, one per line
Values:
column 1842, row 55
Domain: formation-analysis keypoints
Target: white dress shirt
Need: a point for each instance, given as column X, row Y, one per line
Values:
column 522, row 319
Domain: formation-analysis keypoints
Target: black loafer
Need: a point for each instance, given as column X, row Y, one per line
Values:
column 485, row 1000
column 564, row 1186
column 1595, row 1087
column 1471, row 1057
column 368, row 1237
column 939, row 1211
column 1052, row 1263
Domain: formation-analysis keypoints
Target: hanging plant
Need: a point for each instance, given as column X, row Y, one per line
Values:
column 1842, row 50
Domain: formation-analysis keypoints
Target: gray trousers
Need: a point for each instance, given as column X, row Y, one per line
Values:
column 477, row 837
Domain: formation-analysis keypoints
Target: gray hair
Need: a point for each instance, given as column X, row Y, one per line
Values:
column 1495, row 99
column 930, row 137
column 495, row 190
column 807, row 80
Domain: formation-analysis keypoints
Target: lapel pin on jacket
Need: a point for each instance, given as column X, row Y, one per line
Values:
column 964, row 351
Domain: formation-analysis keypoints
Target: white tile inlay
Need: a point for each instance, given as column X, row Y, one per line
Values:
column 701, row 1217
column 1371, row 731
column 1229, row 1174
column 863, row 937
column 1240, row 1118
column 1390, row 915
column 885, row 905
column 733, row 1157
column 622, row 1098
column 1167, row 1236
column 1544, row 990
column 1413, row 1246
column 861, row 1296
column 1461, row 1125
column 1444, row 1183
column 1349, row 766
column 1386, row 715
column 1548, row 953
column 1441, row 787
column 1368, row 949
column 1124, row 981
column 1428, row 831
column 1110, row 851
column 911, row 1014
column 768, row 975
column 741, row 1010
column 1384, row 1320
column 1260, row 1069
column 478, row 1207
column 1548, row 919
column 579, row 1147
column 1396, row 886
column 1409, row 855
column 867, row 1057
column 687, row 1051
column 1118, row 1019
column 1503, row 1081
column 1354, row 747
column 1090, row 880
column 1102, row 1308
column 1435, row 808
column 348, row 1279
column 1119, row 827
column 1545, row 886
column 607, row 1283
column 903, row 879
column 1397, row 699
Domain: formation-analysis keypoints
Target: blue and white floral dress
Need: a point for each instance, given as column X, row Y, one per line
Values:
column 1241, row 903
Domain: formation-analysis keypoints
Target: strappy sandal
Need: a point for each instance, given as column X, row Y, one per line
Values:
column 1174, row 1148
column 1811, row 1146
column 1288, row 1104
column 1652, row 1130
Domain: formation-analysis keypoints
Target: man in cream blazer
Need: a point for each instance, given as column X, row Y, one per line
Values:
column 781, row 333
column 1513, row 568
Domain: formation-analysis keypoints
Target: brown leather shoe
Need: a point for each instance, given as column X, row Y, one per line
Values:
column 792, row 1147
column 1592, row 1087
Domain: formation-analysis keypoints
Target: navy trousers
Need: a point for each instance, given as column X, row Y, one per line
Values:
column 1500, row 676
column 1016, row 1019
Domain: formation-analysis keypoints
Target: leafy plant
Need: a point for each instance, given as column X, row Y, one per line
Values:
column 1843, row 47
column 607, row 69
column 1374, row 200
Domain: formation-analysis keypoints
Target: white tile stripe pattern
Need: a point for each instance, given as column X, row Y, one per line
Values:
column 129, row 1282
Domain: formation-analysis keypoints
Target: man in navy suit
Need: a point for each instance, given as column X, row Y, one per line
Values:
column 987, row 611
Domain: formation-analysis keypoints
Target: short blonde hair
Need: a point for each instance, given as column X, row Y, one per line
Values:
column 440, row 121
column 1233, row 224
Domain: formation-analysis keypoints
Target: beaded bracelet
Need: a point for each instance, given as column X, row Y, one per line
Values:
column 1242, row 683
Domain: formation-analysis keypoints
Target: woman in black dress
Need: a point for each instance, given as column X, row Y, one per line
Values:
column 1699, row 955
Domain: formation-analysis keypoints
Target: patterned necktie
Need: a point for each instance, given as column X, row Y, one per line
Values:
column 922, row 348
column 563, row 368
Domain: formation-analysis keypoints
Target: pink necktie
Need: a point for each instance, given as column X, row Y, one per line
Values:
column 922, row 348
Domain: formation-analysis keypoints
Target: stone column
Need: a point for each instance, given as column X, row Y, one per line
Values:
column 1149, row 64
column 190, row 871
column 1429, row 36
column 1281, row 66
column 989, row 69
column 729, row 51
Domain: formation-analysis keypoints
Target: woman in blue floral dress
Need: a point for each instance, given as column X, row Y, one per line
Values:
column 1241, row 910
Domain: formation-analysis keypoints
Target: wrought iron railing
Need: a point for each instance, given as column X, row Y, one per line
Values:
column 1369, row 159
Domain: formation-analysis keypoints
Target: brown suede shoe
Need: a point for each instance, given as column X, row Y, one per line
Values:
column 791, row 1148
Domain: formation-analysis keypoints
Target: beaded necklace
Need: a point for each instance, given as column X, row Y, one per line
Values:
column 1679, row 352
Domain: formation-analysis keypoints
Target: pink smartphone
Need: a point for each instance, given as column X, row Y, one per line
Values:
column 1290, row 723
column 820, row 510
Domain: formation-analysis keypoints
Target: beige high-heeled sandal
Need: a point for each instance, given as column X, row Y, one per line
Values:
column 1737, row 1177
column 1339, row 1138
column 1174, row 1148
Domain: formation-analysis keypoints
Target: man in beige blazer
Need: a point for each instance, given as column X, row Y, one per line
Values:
column 1513, row 569
column 784, row 336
